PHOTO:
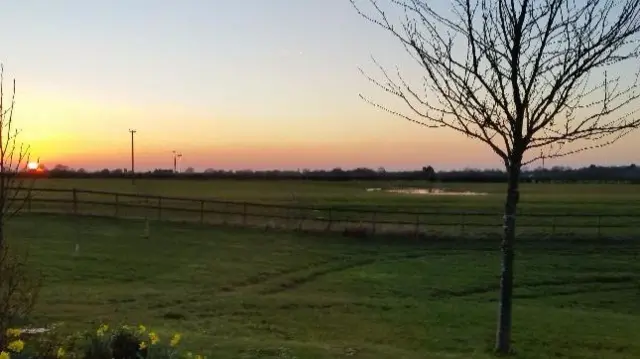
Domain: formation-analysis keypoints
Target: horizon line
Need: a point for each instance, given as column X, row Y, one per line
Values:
column 327, row 169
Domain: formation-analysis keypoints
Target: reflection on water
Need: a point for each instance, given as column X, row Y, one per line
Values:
column 428, row 191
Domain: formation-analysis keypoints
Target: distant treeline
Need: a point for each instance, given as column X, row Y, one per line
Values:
column 591, row 173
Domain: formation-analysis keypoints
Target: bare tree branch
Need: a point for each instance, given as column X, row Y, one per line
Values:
column 14, row 157
column 526, row 79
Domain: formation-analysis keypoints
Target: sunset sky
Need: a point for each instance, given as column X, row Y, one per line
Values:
column 231, row 84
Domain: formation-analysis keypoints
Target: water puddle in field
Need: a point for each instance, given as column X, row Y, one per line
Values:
column 428, row 192
column 34, row 330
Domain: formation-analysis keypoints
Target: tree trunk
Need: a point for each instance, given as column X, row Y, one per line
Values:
column 1, row 231
column 503, row 335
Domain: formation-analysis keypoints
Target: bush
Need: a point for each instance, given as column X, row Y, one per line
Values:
column 122, row 343
column 19, row 289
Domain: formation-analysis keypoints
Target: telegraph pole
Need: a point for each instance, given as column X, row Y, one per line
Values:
column 175, row 161
column 133, row 178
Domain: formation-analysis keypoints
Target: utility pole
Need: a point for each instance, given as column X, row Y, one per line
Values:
column 133, row 178
column 175, row 161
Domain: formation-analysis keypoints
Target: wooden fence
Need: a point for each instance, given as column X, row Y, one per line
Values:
column 352, row 221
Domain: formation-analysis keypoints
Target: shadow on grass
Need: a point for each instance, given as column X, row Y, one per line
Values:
column 547, row 283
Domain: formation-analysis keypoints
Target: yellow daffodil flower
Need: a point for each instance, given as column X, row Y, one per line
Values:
column 175, row 340
column 13, row 333
column 61, row 353
column 5, row 355
column 102, row 330
column 143, row 345
column 16, row 346
column 153, row 338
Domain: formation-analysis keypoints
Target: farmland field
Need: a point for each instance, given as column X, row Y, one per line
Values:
column 242, row 293
column 557, row 198
column 547, row 210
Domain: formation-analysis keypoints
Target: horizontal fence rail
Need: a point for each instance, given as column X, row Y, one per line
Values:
column 351, row 221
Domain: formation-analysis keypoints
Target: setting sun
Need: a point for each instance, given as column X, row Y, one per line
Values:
column 33, row 165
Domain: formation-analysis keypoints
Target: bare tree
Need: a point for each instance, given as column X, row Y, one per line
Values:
column 19, row 285
column 14, row 157
column 518, row 75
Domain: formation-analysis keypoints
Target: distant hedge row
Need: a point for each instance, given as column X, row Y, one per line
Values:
column 627, row 174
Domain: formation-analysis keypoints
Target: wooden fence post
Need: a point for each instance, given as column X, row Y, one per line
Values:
column 202, row 211
column 117, row 199
column 244, row 214
column 303, row 217
column 290, row 217
column 225, row 214
column 75, row 201
column 146, row 207
column 373, row 223
column 29, row 194
column 159, row 208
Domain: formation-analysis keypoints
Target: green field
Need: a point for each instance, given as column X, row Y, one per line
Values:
column 538, row 198
column 547, row 210
column 241, row 293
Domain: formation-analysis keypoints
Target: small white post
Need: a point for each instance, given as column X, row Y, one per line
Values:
column 146, row 228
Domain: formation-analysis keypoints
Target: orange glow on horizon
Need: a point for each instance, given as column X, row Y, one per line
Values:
column 92, row 134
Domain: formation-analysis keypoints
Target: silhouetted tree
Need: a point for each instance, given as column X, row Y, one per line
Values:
column 19, row 286
column 429, row 173
column 190, row 170
column 518, row 76
column 61, row 168
column 14, row 157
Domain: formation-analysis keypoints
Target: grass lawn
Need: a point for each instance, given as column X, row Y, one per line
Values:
column 252, row 294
